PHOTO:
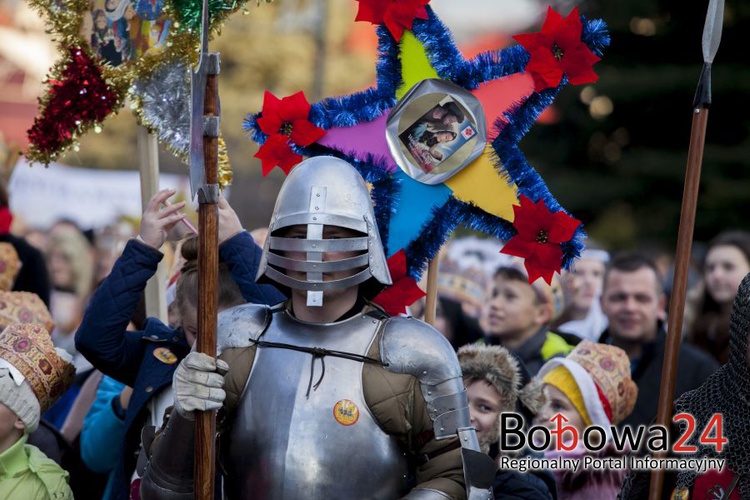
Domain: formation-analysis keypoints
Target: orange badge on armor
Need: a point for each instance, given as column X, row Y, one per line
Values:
column 345, row 412
column 165, row 355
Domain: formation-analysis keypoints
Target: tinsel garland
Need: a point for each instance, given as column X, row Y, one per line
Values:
column 162, row 103
column 510, row 162
column 80, row 96
column 64, row 19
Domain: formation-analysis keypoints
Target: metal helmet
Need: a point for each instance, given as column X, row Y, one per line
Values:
column 323, row 191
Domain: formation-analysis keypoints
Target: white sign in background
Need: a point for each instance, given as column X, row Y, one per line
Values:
column 92, row 198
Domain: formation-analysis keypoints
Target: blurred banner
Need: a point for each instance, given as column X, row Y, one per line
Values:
column 89, row 197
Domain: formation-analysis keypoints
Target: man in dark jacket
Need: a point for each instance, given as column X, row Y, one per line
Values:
column 634, row 302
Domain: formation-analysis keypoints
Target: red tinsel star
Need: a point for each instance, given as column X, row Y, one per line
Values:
column 404, row 290
column 284, row 121
column 558, row 50
column 539, row 235
column 397, row 15
column 80, row 96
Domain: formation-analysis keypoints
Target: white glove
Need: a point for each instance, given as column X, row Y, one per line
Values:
column 198, row 384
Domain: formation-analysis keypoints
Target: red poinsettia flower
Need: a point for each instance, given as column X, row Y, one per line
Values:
column 558, row 50
column 539, row 235
column 277, row 152
column 284, row 121
column 404, row 290
column 397, row 15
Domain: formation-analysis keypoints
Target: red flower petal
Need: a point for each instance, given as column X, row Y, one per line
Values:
column 397, row 265
column 563, row 227
column 558, row 50
column 371, row 11
column 539, row 236
column 566, row 32
column 527, row 216
column 518, row 247
column 545, row 70
column 578, row 65
column 404, row 290
column 397, row 15
column 277, row 152
column 553, row 21
column 294, row 107
column 305, row 133
column 270, row 122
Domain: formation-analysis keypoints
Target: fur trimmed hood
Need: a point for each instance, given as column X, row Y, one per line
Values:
column 495, row 365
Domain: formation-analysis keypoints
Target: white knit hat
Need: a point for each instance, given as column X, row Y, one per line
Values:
column 17, row 395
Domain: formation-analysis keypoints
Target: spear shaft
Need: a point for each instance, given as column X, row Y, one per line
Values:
column 204, row 182
column 208, row 274
column 701, row 104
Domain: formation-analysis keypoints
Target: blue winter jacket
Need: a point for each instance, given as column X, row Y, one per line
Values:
column 137, row 358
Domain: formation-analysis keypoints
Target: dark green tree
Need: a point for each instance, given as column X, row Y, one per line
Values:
column 616, row 157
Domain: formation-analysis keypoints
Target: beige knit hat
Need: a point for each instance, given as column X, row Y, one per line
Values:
column 33, row 373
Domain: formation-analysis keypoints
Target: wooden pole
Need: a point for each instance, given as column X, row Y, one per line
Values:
column 208, row 266
column 701, row 103
column 430, row 306
column 148, row 154
column 679, row 289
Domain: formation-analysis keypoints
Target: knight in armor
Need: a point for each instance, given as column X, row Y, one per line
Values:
column 324, row 396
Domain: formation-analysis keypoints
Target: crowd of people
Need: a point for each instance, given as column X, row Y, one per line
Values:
column 321, row 393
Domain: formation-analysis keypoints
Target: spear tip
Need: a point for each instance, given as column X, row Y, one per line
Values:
column 712, row 30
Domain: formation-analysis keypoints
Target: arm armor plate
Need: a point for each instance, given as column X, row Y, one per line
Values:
column 412, row 347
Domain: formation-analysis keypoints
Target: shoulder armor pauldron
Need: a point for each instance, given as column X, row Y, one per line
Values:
column 415, row 348
column 238, row 325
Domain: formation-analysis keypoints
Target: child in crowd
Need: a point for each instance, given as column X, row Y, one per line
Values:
column 583, row 314
column 33, row 374
column 496, row 382
column 517, row 316
column 145, row 360
column 591, row 386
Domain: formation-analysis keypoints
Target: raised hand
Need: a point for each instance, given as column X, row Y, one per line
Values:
column 229, row 223
column 159, row 217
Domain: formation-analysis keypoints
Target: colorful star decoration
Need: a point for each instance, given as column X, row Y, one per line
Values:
column 418, row 218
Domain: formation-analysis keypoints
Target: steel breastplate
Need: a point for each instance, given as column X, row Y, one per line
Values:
column 285, row 444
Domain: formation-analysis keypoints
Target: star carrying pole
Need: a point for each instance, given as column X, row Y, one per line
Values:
column 204, row 182
column 701, row 104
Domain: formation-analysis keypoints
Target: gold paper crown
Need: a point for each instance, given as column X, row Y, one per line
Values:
column 609, row 366
column 10, row 264
column 461, row 284
column 29, row 348
column 24, row 307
